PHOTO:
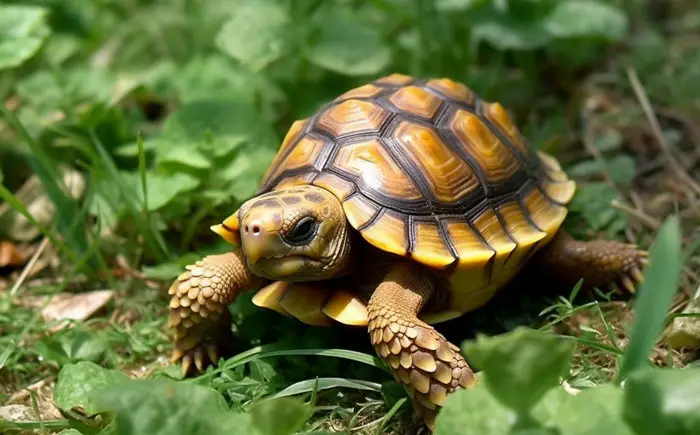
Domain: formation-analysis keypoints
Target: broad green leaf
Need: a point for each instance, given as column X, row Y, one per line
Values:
column 663, row 401
column 655, row 294
column 181, row 154
column 474, row 411
column 215, row 77
column 211, row 120
column 161, row 188
column 283, row 416
column 348, row 46
column 520, row 366
column 23, row 30
column 591, row 412
column 76, row 381
column 505, row 31
column 587, row 18
column 42, row 89
column 257, row 33
column 593, row 203
column 160, row 407
column 608, row 141
column 242, row 173
column 170, row 270
column 457, row 5
column 621, row 169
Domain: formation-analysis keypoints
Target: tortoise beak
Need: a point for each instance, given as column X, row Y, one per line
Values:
column 254, row 248
column 260, row 243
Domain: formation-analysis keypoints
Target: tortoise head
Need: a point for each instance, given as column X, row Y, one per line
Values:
column 297, row 234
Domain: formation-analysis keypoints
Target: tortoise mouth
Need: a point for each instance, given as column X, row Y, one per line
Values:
column 287, row 268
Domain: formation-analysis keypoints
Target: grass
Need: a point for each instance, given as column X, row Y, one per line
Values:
column 129, row 127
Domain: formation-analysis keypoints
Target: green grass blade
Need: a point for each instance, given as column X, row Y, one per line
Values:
column 389, row 415
column 662, row 276
column 151, row 235
column 308, row 386
column 271, row 350
column 67, row 210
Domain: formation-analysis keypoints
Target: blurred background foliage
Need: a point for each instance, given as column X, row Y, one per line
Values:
column 171, row 111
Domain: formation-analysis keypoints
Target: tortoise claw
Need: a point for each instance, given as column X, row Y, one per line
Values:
column 186, row 364
column 195, row 359
column 212, row 353
column 628, row 284
column 634, row 276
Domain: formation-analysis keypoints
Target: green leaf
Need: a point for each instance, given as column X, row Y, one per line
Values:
column 587, row 18
column 591, row 412
column 622, row 169
column 474, row 411
column 457, row 5
column 283, row 416
column 520, row 366
column 506, row 31
column 162, row 188
column 23, row 30
column 215, row 77
column 160, row 407
column 348, row 46
column 171, row 269
column 204, row 120
column 181, row 154
column 655, row 294
column 663, row 401
column 76, row 381
column 593, row 203
column 257, row 33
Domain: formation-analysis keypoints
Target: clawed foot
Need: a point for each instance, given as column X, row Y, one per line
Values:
column 635, row 260
column 202, row 355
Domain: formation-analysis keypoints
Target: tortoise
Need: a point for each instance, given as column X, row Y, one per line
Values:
column 400, row 204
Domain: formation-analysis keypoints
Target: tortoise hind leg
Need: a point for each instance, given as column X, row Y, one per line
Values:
column 601, row 263
column 421, row 359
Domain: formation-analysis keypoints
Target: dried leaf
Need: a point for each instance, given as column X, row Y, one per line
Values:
column 76, row 306
column 10, row 255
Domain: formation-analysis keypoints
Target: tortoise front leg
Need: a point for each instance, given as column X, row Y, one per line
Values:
column 421, row 359
column 199, row 306
column 601, row 263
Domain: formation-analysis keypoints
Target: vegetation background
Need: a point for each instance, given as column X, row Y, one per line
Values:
column 128, row 127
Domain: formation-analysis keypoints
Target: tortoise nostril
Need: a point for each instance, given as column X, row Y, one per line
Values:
column 256, row 229
column 245, row 228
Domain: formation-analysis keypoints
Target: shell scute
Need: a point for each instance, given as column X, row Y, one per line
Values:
column 430, row 247
column 453, row 90
column 370, row 163
column 496, row 161
column 450, row 177
column 353, row 116
column 416, row 101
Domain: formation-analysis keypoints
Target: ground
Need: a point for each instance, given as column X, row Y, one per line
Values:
column 183, row 102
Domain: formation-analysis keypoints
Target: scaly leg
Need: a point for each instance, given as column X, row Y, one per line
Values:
column 421, row 359
column 601, row 263
column 199, row 306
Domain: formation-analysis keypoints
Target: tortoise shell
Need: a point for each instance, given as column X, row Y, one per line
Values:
column 429, row 170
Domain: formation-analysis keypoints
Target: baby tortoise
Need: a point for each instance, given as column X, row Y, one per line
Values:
column 400, row 204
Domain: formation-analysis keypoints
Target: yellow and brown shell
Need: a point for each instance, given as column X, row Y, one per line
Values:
column 427, row 169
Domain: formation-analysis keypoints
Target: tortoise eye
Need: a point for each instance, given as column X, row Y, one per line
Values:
column 303, row 232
